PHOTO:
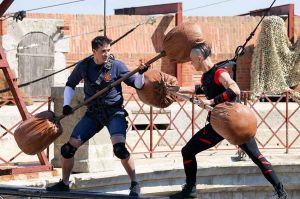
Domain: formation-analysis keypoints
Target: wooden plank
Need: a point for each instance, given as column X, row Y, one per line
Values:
column 28, row 169
column 4, row 6
column 34, row 55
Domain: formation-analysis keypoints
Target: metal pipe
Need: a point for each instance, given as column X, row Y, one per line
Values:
column 193, row 118
column 286, row 122
column 193, row 100
column 104, row 18
column 151, row 131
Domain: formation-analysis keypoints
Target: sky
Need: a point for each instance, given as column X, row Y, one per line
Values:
column 190, row 7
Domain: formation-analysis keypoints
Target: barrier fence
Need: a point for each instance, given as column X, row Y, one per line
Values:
column 167, row 130
column 154, row 130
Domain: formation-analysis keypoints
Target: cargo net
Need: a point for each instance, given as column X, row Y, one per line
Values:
column 275, row 66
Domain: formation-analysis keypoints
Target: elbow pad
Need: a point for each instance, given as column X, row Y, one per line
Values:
column 68, row 95
column 139, row 81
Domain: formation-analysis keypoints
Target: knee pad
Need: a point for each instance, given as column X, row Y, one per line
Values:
column 120, row 151
column 68, row 151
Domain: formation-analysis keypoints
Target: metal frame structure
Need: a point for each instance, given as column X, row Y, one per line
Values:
column 19, row 101
column 288, row 9
column 158, row 9
column 286, row 132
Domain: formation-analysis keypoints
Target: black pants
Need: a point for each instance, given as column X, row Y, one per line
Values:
column 207, row 138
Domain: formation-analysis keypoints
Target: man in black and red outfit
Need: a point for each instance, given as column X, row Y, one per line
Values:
column 218, row 87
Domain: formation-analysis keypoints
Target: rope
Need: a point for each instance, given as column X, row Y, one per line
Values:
column 207, row 5
column 238, row 53
column 101, row 30
column 55, row 5
column 240, row 50
column 150, row 20
column 20, row 15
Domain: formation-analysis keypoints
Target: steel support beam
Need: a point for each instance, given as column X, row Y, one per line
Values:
column 285, row 10
column 4, row 6
column 149, row 10
column 19, row 102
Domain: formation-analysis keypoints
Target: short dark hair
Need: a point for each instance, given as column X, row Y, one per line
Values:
column 204, row 49
column 100, row 41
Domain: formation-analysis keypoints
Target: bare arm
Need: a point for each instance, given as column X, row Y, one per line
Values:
column 227, row 82
column 231, row 92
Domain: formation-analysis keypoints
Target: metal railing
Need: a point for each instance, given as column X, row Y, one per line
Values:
column 277, row 124
column 153, row 130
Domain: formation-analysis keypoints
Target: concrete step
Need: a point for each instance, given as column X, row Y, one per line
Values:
column 216, row 176
column 242, row 181
column 21, row 192
column 228, row 191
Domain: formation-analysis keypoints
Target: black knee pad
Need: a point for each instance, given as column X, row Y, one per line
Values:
column 68, row 151
column 120, row 151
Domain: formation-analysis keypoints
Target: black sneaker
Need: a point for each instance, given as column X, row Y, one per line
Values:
column 60, row 186
column 188, row 191
column 280, row 192
column 135, row 189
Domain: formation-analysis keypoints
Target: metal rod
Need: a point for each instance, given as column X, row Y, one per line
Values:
column 286, row 122
column 104, row 17
column 151, row 131
column 193, row 100
column 193, row 118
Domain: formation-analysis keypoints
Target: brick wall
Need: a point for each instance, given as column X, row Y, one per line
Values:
column 224, row 34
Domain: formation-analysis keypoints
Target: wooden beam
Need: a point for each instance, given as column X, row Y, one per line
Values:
column 4, row 6
column 149, row 10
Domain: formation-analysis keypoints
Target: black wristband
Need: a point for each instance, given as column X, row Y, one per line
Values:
column 228, row 95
